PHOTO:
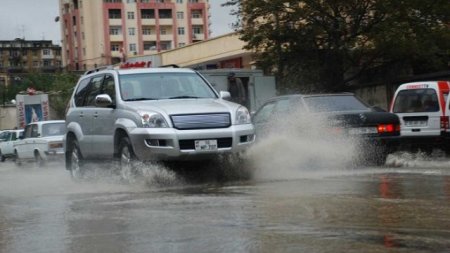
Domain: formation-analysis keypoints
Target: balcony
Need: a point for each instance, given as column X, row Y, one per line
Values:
column 197, row 21
column 151, row 37
column 148, row 21
column 117, row 38
column 115, row 21
column 165, row 21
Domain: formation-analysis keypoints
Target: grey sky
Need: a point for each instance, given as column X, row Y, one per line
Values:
column 35, row 19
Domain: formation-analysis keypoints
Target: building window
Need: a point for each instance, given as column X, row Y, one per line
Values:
column 181, row 44
column 163, row 31
column 148, row 13
column 197, row 29
column 131, row 1
column 193, row 1
column 131, row 31
column 149, row 45
column 179, row 1
column 165, row 13
column 130, row 15
column 165, row 45
column 146, row 31
column 115, row 47
column 46, row 52
column 180, row 30
column 180, row 15
column 114, row 14
column 196, row 14
column 46, row 63
column 145, row 1
column 114, row 30
column 132, row 47
column 35, row 64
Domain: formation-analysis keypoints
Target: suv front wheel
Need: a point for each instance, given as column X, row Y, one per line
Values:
column 74, row 160
column 127, row 160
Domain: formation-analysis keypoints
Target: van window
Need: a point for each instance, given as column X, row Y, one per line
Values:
column 416, row 100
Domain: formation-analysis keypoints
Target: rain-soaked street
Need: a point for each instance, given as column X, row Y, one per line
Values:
column 401, row 207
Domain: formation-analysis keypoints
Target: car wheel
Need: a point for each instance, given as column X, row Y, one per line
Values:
column 127, row 161
column 17, row 159
column 74, row 161
column 2, row 157
column 38, row 161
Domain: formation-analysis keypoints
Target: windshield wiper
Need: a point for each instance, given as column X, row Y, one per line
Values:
column 140, row 99
column 180, row 97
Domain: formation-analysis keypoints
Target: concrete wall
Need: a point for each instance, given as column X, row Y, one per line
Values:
column 8, row 118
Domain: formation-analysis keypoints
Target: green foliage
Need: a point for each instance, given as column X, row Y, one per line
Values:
column 58, row 86
column 331, row 45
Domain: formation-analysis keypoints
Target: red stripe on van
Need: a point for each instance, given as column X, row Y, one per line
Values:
column 444, row 88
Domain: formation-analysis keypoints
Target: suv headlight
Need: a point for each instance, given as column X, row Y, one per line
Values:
column 153, row 120
column 242, row 116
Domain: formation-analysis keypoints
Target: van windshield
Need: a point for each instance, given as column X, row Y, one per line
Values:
column 416, row 100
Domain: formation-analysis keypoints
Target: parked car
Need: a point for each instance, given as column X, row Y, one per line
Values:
column 41, row 141
column 151, row 114
column 343, row 114
column 421, row 109
column 7, row 140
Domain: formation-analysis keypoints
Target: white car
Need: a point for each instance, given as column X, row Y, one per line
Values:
column 7, row 140
column 41, row 141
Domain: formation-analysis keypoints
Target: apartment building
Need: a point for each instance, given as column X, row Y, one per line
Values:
column 20, row 55
column 103, row 32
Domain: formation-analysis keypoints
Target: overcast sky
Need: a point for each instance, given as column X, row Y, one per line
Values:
column 35, row 19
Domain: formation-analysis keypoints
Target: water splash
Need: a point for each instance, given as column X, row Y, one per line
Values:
column 298, row 144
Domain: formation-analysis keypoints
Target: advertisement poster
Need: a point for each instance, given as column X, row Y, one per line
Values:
column 31, row 108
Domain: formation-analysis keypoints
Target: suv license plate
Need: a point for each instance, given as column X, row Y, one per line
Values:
column 205, row 145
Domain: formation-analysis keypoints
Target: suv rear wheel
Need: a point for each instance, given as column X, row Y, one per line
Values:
column 127, row 160
column 74, row 160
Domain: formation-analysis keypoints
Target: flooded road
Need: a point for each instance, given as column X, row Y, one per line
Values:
column 402, row 207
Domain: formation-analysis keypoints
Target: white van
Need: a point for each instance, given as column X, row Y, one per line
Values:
column 421, row 109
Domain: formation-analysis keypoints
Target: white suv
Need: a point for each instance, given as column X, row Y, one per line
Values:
column 151, row 114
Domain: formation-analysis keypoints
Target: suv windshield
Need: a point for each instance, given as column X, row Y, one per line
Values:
column 151, row 86
column 335, row 103
column 417, row 100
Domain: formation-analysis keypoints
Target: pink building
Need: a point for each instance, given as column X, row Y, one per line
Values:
column 103, row 32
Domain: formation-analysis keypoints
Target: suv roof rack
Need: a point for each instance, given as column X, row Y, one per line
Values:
column 169, row 66
column 98, row 69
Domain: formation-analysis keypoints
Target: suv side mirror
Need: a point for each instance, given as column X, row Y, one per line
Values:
column 103, row 100
column 225, row 95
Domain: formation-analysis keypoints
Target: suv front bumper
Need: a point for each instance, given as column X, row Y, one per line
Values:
column 172, row 144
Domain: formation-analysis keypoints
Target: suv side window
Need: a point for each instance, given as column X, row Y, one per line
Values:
column 80, row 94
column 94, row 89
column 109, row 87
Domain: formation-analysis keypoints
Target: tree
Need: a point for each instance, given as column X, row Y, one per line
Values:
column 59, row 87
column 331, row 45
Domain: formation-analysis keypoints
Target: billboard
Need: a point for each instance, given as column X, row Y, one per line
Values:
column 31, row 108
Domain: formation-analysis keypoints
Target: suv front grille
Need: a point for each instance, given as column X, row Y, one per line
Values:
column 221, row 143
column 201, row 121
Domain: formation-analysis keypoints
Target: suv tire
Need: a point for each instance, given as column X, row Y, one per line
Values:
column 127, row 160
column 74, row 160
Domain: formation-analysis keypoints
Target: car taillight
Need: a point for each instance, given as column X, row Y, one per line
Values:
column 444, row 122
column 388, row 128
